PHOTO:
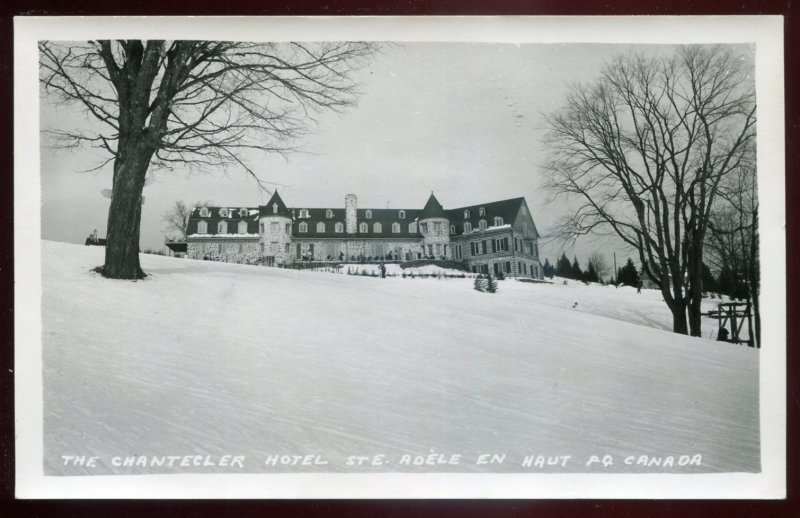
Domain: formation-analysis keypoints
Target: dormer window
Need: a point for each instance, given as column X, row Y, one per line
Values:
column 377, row 228
column 482, row 224
column 401, row 215
column 242, row 227
column 223, row 213
column 242, row 213
column 320, row 227
column 467, row 227
column 204, row 212
column 222, row 227
column 466, row 214
column 275, row 208
column 452, row 230
column 523, row 211
column 396, row 227
column 368, row 214
column 302, row 227
column 412, row 227
column 339, row 227
column 498, row 222
column 303, row 213
column 481, row 212
column 363, row 227
column 329, row 213
column 202, row 227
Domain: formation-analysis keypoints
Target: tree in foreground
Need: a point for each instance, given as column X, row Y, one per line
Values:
column 190, row 103
column 642, row 153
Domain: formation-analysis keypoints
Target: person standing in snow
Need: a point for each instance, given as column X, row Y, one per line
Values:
column 383, row 271
column 639, row 287
column 93, row 237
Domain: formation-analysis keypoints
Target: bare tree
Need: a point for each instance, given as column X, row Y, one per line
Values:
column 642, row 152
column 177, row 217
column 733, row 243
column 600, row 264
column 197, row 103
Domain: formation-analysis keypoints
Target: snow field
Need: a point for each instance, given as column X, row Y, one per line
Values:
column 211, row 358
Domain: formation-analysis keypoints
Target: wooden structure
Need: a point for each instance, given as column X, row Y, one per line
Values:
column 735, row 314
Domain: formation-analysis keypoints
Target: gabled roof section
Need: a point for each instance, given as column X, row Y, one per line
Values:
column 433, row 209
column 505, row 209
column 275, row 207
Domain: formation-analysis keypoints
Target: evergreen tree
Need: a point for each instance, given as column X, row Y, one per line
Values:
column 577, row 273
column 549, row 271
column 491, row 283
column 591, row 274
column 563, row 268
column 627, row 275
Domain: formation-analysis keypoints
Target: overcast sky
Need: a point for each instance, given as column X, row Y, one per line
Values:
column 462, row 120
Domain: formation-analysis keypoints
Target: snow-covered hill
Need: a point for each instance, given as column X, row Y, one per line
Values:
column 219, row 359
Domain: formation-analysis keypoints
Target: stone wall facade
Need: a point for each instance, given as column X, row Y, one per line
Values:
column 435, row 236
column 275, row 237
column 350, row 206
column 236, row 250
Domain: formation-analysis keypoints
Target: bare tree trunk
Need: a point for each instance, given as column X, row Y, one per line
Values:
column 124, row 215
column 678, row 310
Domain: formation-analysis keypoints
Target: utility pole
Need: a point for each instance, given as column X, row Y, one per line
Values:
column 616, row 281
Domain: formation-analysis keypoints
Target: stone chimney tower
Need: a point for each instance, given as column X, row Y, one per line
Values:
column 350, row 206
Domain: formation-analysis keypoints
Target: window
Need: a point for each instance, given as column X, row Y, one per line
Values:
column 288, row 247
column 457, row 251
column 395, row 228
column 523, row 211
column 223, row 213
column 430, row 249
column 368, row 214
column 202, row 227
column 241, row 248
column 423, row 227
column 320, row 227
column 242, row 227
column 482, row 224
column 242, row 213
column 377, row 228
column 275, row 208
column 466, row 214
column 304, row 213
column 263, row 227
column 498, row 222
column 481, row 212
column 302, row 227
column 222, row 227
column 339, row 227
column 401, row 214
column 438, row 249
column 467, row 227
column 452, row 230
column 273, row 248
column 203, row 212
column 437, row 226
column 273, row 227
column 363, row 227
column 525, row 228
column 412, row 227
column 329, row 213
column 483, row 246
column 288, row 228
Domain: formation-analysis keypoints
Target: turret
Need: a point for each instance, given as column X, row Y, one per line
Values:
column 435, row 229
column 275, row 229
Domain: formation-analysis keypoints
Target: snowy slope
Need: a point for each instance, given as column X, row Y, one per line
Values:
column 214, row 359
